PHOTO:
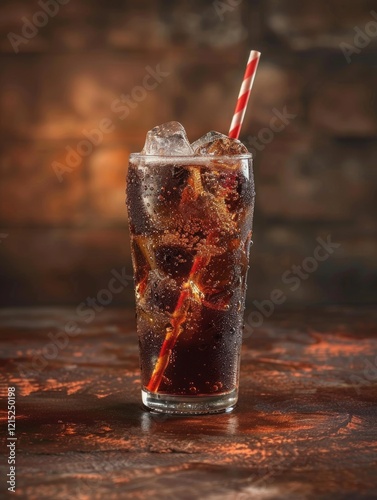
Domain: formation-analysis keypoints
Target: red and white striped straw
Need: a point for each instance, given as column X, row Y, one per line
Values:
column 243, row 97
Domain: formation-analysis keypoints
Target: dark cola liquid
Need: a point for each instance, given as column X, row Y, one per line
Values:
column 186, row 217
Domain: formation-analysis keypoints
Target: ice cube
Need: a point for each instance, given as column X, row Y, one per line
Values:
column 174, row 261
column 205, row 139
column 168, row 139
column 142, row 264
column 162, row 293
column 215, row 143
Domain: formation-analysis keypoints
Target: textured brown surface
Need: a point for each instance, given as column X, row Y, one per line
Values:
column 305, row 426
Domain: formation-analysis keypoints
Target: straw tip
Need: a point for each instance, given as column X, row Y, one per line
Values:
column 254, row 54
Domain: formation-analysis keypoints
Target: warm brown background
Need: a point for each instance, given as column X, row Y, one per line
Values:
column 59, row 241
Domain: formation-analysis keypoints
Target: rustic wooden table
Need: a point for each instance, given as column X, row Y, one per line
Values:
column 305, row 426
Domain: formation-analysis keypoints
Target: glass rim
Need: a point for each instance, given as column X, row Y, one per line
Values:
column 190, row 158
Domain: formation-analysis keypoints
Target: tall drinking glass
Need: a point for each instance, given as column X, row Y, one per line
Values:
column 190, row 220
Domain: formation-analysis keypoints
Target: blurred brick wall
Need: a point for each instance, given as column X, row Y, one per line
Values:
column 315, row 176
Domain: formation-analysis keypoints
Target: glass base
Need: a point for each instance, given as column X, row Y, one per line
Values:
column 189, row 405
